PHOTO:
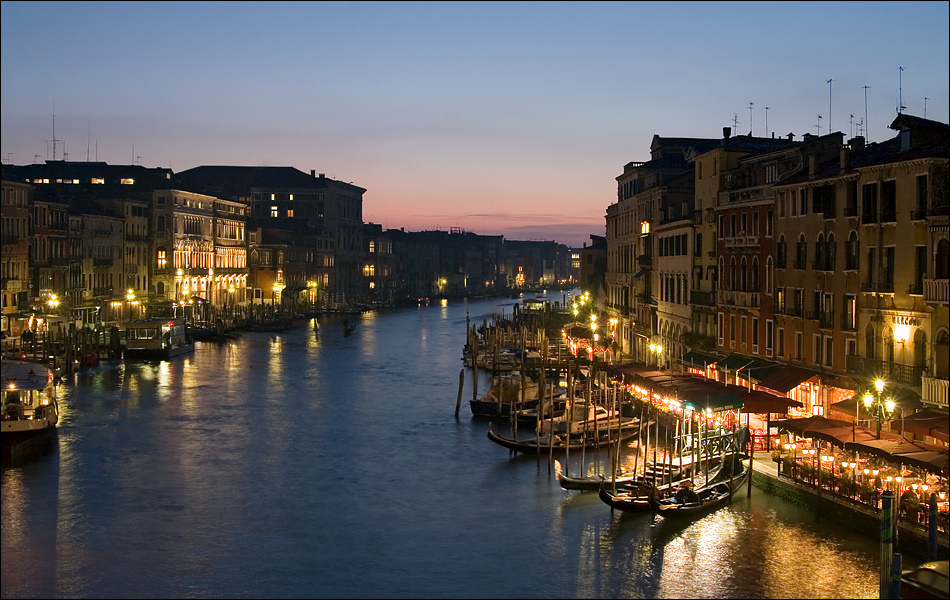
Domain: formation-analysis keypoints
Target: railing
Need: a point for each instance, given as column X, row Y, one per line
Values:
column 702, row 297
column 915, row 289
column 910, row 375
column 937, row 290
column 102, row 291
column 884, row 288
column 934, row 390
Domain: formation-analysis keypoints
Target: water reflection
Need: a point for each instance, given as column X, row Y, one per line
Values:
column 309, row 463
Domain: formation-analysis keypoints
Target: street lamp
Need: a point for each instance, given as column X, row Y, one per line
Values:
column 130, row 296
column 656, row 349
column 880, row 410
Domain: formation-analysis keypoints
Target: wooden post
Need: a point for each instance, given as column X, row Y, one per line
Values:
column 458, row 402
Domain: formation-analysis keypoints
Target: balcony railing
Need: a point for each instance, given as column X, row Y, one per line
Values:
column 702, row 297
column 909, row 375
column 937, row 290
column 934, row 391
column 883, row 288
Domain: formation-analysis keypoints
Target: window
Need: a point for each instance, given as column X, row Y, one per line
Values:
column 888, row 269
column 273, row 211
column 127, row 181
column 732, row 331
column 780, row 253
column 889, row 201
column 869, row 203
column 799, row 345
column 830, row 253
column 742, row 332
column 817, row 349
column 921, row 197
column 829, row 351
column 801, row 253
column 803, row 202
column 849, row 320
column 769, row 336
column 161, row 258
column 851, row 252
column 851, row 203
column 780, row 347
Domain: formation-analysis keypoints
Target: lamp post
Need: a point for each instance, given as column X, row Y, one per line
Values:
column 657, row 349
column 878, row 408
column 130, row 296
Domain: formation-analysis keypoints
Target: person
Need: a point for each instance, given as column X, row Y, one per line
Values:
column 685, row 493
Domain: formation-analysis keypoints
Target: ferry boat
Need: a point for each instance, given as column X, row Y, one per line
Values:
column 157, row 339
column 29, row 409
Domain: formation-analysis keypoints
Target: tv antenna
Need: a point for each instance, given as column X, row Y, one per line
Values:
column 767, row 120
column 829, row 104
column 735, row 122
column 925, row 106
column 900, row 90
column 750, row 119
column 865, row 122
column 851, row 124
column 54, row 140
column 819, row 125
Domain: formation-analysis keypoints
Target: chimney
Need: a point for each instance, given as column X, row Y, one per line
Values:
column 812, row 161
column 726, row 132
column 845, row 159
column 791, row 137
column 313, row 173
column 322, row 175
column 856, row 143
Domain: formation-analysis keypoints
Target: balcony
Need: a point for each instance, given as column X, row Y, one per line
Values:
column 102, row 262
column 880, row 288
column 702, row 298
column 937, row 290
column 909, row 375
column 934, row 391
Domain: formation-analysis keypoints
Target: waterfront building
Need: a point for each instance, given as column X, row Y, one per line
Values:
column 199, row 253
column 287, row 198
column 15, row 261
column 647, row 193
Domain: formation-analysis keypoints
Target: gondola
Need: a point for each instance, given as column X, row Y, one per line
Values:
column 560, row 444
column 590, row 483
column 718, row 493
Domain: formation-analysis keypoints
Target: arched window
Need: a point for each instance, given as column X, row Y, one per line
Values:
column 851, row 252
column 820, row 252
column 830, row 253
column 768, row 275
column 942, row 260
column 160, row 289
column 889, row 343
column 744, row 279
column 719, row 273
column 801, row 252
column 755, row 274
column 920, row 348
column 780, row 252
column 869, row 342
column 732, row 273
column 942, row 354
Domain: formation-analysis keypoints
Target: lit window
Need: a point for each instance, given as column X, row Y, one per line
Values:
column 372, row 247
column 161, row 259
column 127, row 181
column 644, row 227
column 273, row 212
column 290, row 212
column 98, row 181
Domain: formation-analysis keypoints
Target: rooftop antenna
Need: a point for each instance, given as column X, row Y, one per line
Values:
column 829, row 104
column 851, row 124
column 925, row 106
column 750, row 119
column 767, row 120
column 819, row 125
column 865, row 122
column 88, row 132
column 54, row 140
column 735, row 122
column 900, row 90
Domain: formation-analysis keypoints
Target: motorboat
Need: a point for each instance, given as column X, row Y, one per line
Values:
column 29, row 408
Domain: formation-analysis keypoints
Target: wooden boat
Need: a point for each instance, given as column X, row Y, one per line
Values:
column 583, row 417
column 718, row 493
column 593, row 482
column 29, row 408
column 157, row 339
column 506, row 391
column 561, row 443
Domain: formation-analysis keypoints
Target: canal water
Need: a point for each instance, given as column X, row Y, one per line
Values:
column 312, row 464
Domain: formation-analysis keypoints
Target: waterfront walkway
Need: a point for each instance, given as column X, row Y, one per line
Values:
column 911, row 537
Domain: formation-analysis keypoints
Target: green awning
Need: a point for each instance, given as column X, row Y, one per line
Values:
column 639, row 274
column 713, row 402
column 735, row 361
column 697, row 359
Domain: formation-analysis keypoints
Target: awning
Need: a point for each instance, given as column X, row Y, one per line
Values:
column 713, row 402
column 761, row 403
column 734, row 361
column 930, row 421
column 786, row 379
column 639, row 274
column 697, row 359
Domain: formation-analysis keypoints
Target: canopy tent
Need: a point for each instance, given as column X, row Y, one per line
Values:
column 761, row 403
column 734, row 362
column 786, row 379
column 930, row 421
column 833, row 431
column 903, row 451
column 697, row 359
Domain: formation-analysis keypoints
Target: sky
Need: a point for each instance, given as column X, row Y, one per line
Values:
column 498, row 118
